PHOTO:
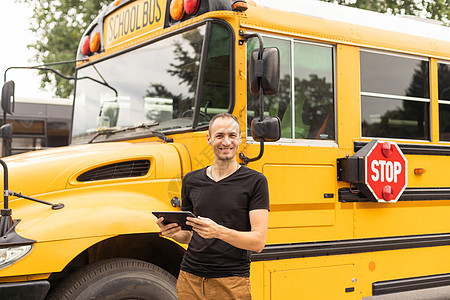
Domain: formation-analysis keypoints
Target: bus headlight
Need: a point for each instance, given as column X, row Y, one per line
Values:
column 10, row 255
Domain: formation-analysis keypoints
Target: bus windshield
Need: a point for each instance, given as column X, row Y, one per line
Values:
column 154, row 86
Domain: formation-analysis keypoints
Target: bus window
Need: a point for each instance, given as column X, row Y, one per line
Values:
column 444, row 101
column 308, row 112
column 158, row 85
column 273, row 104
column 314, row 91
column 215, row 96
column 395, row 97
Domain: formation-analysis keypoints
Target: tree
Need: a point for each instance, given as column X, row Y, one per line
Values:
column 58, row 26
column 432, row 9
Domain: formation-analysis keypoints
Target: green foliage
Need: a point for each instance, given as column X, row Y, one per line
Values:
column 58, row 26
column 432, row 9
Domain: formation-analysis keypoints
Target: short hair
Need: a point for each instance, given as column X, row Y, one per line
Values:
column 224, row 115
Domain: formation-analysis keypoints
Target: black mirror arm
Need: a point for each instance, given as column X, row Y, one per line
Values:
column 6, row 219
column 54, row 206
column 40, row 69
column 5, row 184
column 259, row 66
column 62, row 75
column 44, row 67
column 248, row 159
column 100, row 82
column 7, row 193
column 245, row 38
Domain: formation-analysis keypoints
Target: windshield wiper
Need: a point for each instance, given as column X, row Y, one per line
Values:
column 162, row 136
column 103, row 132
column 158, row 134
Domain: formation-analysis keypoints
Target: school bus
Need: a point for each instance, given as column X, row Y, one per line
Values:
column 335, row 104
column 39, row 123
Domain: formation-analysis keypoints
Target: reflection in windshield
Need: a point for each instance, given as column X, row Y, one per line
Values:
column 155, row 84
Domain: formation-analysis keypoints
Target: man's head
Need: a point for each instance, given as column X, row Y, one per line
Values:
column 226, row 116
column 224, row 136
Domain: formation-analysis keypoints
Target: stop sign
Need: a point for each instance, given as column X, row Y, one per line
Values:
column 386, row 171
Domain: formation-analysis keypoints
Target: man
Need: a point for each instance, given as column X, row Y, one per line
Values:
column 231, row 203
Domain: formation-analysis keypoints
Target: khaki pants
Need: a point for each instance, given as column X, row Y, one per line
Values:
column 191, row 287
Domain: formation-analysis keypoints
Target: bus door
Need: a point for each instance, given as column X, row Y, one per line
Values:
column 302, row 176
column 300, row 168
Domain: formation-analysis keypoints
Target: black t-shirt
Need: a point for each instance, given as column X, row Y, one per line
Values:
column 227, row 202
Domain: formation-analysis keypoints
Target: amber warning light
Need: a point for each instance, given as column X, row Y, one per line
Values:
column 240, row 5
column 90, row 44
column 179, row 7
column 419, row 171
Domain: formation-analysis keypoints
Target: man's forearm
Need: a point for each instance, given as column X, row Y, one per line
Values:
column 247, row 240
column 253, row 240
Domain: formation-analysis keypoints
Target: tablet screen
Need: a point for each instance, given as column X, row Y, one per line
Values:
column 178, row 217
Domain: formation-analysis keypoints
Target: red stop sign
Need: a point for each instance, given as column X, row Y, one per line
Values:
column 386, row 171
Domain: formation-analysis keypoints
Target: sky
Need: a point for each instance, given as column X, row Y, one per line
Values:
column 14, row 24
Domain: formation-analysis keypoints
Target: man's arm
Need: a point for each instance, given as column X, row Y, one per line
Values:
column 253, row 240
column 173, row 231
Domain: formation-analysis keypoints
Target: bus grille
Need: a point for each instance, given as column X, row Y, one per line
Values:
column 133, row 168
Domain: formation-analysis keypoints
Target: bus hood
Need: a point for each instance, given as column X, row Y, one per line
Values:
column 109, row 205
column 47, row 171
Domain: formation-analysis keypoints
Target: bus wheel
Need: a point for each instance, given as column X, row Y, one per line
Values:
column 117, row 279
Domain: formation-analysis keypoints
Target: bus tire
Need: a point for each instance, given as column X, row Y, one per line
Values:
column 116, row 279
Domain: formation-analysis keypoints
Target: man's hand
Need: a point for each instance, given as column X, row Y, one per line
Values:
column 169, row 230
column 173, row 231
column 253, row 240
column 205, row 227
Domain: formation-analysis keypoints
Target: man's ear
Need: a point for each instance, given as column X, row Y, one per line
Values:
column 208, row 138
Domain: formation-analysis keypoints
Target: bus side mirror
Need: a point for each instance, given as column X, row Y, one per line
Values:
column 267, row 69
column 8, row 97
column 264, row 79
column 7, row 132
column 269, row 129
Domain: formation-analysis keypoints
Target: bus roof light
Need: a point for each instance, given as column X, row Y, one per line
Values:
column 94, row 44
column 177, row 9
column 85, row 46
column 191, row 6
column 239, row 5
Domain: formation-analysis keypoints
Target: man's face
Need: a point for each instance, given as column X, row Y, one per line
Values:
column 225, row 138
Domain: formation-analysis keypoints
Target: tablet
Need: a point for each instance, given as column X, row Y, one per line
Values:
column 178, row 217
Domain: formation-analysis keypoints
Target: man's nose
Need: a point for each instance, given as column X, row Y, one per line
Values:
column 226, row 140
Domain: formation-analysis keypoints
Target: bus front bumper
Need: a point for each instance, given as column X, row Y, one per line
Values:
column 31, row 290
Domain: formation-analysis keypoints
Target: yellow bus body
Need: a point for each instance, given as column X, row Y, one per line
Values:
column 299, row 175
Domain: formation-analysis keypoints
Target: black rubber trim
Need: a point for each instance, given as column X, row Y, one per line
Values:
column 410, row 284
column 410, row 194
column 31, row 290
column 340, row 247
column 415, row 149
